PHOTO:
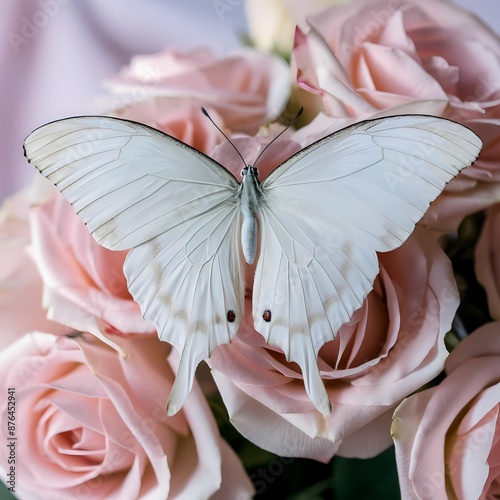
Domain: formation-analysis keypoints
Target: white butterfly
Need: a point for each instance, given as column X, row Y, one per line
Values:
column 319, row 218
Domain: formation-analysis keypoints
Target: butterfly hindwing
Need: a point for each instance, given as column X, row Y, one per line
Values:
column 327, row 211
column 304, row 278
column 188, row 280
column 138, row 188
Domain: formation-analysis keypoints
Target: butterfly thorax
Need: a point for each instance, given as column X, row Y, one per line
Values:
column 250, row 194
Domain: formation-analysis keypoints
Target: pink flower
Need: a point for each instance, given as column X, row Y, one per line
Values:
column 21, row 308
column 180, row 118
column 274, row 30
column 391, row 347
column 408, row 56
column 91, row 423
column 246, row 89
column 487, row 260
column 84, row 284
column 447, row 437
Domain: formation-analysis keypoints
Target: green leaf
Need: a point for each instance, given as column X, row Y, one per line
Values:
column 370, row 479
column 5, row 494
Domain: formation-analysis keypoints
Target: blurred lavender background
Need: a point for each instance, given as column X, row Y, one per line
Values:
column 56, row 53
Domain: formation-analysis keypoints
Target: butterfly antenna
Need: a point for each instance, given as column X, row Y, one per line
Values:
column 301, row 110
column 205, row 112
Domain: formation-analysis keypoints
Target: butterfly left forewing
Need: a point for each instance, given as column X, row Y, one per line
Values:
column 125, row 180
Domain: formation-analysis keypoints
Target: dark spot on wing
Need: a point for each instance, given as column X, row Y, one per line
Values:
column 266, row 316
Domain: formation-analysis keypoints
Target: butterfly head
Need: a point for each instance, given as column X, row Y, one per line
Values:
column 249, row 170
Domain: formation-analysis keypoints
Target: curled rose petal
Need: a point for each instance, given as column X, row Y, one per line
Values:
column 84, row 284
column 246, row 89
column 487, row 260
column 21, row 307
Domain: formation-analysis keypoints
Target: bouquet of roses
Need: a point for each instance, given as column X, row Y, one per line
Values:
column 413, row 377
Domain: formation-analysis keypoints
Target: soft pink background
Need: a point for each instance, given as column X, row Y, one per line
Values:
column 59, row 71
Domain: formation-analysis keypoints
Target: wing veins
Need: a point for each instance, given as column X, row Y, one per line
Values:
column 318, row 294
column 151, row 221
column 75, row 144
column 430, row 129
column 178, row 288
column 328, row 257
column 425, row 143
column 101, row 151
column 96, row 177
column 183, row 248
column 217, row 226
column 308, row 165
column 375, row 187
column 296, row 195
column 413, row 172
column 187, row 181
column 116, row 189
column 334, row 179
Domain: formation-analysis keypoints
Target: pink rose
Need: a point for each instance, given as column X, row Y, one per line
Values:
column 487, row 260
column 246, row 89
column 441, row 53
column 91, row 423
column 84, row 284
column 408, row 56
column 447, row 437
column 391, row 347
column 274, row 31
column 180, row 118
column 21, row 308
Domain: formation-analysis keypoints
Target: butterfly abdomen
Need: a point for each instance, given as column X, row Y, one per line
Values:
column 249, row 237
column 250, row 200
